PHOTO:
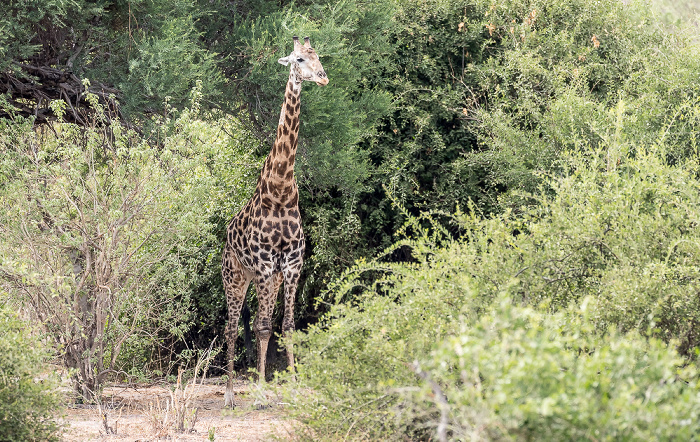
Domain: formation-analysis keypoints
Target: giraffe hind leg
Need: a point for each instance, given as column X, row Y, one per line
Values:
column 236, row 281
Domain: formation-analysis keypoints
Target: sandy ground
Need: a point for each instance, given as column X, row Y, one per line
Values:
column 131, row 412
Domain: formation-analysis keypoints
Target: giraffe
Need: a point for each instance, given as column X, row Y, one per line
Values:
column 265, row 241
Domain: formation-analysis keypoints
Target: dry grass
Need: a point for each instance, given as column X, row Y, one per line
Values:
column 178, row 414
column 127, row 412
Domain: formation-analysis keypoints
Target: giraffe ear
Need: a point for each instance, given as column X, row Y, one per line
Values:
column 284, row 60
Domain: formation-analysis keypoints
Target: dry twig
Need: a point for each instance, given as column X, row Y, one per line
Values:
column 179, row 414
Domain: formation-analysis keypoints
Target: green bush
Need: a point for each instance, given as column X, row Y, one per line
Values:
column 21, row 22
column 612, row 233
column 517, row 373
column 379, row 372
column 616, row 227
column 553, row 72
column 27, row 404
column 110, row 234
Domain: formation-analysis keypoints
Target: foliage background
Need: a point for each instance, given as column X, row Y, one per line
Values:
column 552, row 143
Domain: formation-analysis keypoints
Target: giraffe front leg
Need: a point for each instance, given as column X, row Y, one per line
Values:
column 231, row 336
column 236, row 283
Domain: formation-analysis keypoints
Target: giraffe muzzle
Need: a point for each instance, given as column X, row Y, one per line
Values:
column 322, row 79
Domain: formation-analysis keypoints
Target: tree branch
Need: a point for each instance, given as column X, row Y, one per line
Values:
column 31, row 89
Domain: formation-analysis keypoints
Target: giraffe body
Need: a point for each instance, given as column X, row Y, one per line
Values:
column 265, row 240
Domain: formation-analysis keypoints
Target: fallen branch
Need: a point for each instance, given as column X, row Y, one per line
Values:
column 30, row 89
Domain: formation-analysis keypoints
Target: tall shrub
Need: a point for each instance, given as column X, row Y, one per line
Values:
column 104, row 232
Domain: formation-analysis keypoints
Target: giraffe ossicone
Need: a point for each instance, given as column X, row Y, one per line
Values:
column 265, row 240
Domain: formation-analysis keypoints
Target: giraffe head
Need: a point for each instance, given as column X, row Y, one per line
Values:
column 305, row 63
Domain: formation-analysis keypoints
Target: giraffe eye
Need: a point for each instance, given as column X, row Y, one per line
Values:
column 300, row 60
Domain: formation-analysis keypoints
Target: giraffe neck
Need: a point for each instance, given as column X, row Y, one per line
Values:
column 277, row 177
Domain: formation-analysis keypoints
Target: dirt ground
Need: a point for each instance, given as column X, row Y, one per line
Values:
column 131, row 411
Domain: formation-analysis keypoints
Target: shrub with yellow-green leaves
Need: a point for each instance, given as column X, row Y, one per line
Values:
column 27, row 402
column 561, row 321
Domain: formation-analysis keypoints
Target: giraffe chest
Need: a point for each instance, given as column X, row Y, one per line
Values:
column 267, row 238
